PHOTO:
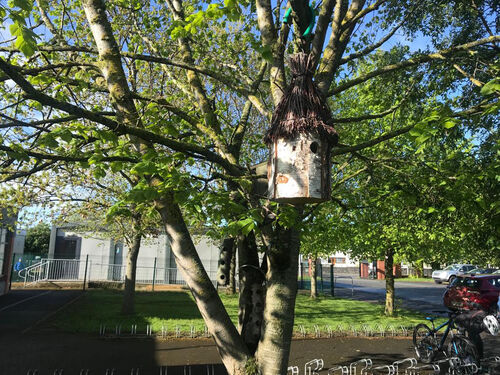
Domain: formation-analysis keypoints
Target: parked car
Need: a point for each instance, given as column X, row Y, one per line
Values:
column 472, row 292
column 482, row 271
column 450, row 272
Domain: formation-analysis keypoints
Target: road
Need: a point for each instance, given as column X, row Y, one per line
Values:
column 423, row 296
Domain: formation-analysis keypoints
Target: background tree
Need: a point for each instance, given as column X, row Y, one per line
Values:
column 37, row 240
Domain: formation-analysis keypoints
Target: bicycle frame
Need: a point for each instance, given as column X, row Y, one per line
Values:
column 448, row 325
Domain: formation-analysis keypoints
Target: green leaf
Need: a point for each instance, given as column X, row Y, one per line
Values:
column 450, row 123
column 491, row 87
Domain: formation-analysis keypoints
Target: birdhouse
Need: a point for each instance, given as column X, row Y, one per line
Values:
column 300, row 140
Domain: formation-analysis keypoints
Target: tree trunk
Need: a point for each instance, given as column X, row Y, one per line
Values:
column 128, row 305
column 314, row 289
column 419, row 267
column 252, row 293
column 281, row 290
column 231, row 289
column 231, row 348
column 389, row 282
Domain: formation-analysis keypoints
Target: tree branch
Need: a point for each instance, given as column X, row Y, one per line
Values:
column 324, row 76
column 348, row 149
column 364, row 12
column 210, row 126
column 440, row 56
column 67, row 158
column 372, row 116
column 35, row 71
column 17, row 175
column 118, row 128
column 373, row 46
column 325, row 15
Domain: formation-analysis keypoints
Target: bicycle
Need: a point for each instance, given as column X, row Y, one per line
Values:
column 428, row 346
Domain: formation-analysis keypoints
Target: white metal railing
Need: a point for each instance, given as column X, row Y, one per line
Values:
column 50, row 270
column 32, row 273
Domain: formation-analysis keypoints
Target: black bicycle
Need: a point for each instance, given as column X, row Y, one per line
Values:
column 428, row 342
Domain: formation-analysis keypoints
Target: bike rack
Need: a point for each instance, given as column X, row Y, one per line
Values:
column 457, row 367
column 344, row 370
column 318, row 366
column 384, row 369
column 412, row 362
column 317, row 331
column 436, row 369
column 365, row 366
column 353, row 366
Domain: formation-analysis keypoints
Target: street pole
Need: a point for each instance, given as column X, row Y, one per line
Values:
column 332, row 286
column 321, row 276
column 154, row 276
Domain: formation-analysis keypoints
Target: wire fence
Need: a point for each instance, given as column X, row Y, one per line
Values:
column 39, row 270
column 329, row 278
column 30, row 269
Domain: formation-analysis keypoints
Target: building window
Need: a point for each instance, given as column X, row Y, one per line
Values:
column 338, row 260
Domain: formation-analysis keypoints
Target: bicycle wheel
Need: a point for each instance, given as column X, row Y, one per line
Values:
column 424, row 342
column 464, row 349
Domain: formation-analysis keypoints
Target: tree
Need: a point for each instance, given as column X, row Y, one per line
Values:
column 316, row 241
column 180, row 91
column 37, row 240
column 100, row 205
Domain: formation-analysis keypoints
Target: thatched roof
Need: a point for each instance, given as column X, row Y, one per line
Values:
column 302, row 108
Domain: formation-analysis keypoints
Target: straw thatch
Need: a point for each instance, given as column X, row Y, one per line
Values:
column 302, row 108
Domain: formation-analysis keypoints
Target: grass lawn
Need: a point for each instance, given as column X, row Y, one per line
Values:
column 177, row 309
column 416, row 279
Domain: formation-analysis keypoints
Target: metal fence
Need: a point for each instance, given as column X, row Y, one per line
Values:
column 329, row 279
column 76, row 270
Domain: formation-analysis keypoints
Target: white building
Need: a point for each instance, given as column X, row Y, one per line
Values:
column 107, row 257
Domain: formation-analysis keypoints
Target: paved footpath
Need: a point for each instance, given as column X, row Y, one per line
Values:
column 22, row 309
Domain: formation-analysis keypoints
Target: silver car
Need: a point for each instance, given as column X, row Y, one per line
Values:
column 451, row 272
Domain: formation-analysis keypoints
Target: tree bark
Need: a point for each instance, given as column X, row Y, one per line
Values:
column 314, row 289
column 252, row 293
column 231, row 348
column 389, row 282
column 419, row 268
column 231, row 289
column 281, row 290
column 128, row 304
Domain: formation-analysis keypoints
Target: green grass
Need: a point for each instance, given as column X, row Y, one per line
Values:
column 171, row 309
column 416, row 279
